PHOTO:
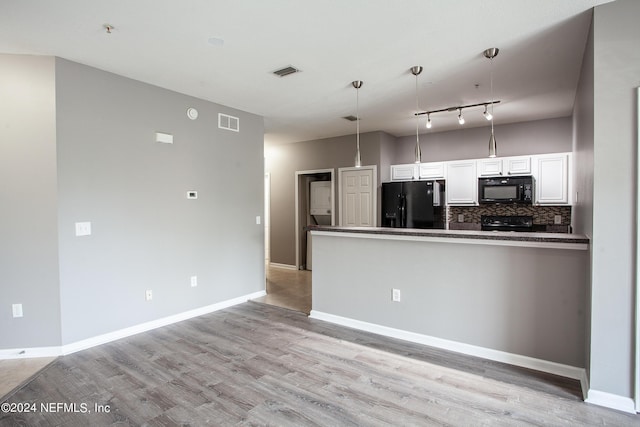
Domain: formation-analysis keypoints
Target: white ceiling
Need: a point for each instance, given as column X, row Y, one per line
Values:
column 333, row 42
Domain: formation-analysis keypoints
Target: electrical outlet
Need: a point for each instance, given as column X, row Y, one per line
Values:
column 557, row 219
column 460, row 217
column 148, row 295
column 395, row 295
column 194, row 281
column 17, row 310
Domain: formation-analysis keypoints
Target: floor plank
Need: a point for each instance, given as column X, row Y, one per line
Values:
column 255, row 364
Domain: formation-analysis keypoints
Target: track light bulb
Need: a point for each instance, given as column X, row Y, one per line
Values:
column 487, row 115
column 428, row 123
column 460, row 118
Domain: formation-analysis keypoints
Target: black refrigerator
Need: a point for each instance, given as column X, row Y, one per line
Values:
column 413, row 204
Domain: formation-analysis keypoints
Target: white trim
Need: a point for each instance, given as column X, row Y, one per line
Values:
column 462, row 240
column 123, row 333
column 637, row 260
column 472, row 350
column 285, row 266
column 613, row 401
column 297, row 207
column 29, row 353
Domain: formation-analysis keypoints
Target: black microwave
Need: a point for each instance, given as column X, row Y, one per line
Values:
column 516, row 189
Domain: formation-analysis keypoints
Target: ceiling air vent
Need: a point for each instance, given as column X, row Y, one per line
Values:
column 351, row 118
column 286, row 71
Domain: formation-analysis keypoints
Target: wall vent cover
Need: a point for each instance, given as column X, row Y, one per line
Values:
column 286, row 71
column 228, row 122
column 350, row 118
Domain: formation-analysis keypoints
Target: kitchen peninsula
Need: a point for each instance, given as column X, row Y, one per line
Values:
column 519, row 298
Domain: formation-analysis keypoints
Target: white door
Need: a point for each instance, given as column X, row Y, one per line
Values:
column 358, row 196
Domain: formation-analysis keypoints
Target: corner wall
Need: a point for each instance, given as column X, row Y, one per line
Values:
column 28, row 197
column 616, row 71
column 78, row 144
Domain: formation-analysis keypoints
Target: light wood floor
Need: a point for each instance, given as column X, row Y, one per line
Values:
column 14, row 372
column 255, row 364
column 288, row 288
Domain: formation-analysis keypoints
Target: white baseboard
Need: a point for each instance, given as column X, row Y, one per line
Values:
column 613, row 401
column 30, row 352
column 123, row 333
column 472, row 350
column 285, row 266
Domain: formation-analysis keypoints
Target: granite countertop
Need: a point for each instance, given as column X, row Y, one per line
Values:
column 495, row 236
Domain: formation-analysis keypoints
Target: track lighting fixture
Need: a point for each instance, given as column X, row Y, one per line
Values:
column 357, row 84
column 487, row 115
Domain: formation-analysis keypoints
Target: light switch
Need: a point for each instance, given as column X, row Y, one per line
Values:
column 258, row 220
column 83, row 228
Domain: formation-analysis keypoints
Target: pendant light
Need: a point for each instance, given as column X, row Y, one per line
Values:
column 357, row 84
column 418, row 154
column 492, row 53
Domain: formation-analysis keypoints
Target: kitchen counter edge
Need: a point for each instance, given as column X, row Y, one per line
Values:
column 501, row 238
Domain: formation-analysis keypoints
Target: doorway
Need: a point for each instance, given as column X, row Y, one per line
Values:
column 303, row 215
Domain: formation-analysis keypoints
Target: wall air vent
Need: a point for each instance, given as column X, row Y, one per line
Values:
column 351, row 118
column 286, row 71
column 228, row 122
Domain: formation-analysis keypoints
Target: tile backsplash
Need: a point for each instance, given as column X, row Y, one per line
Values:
column 542, row 215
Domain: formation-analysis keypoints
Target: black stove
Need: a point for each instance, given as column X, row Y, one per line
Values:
column 506, row 223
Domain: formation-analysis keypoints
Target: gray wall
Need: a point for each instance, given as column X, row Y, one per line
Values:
column 28, row 213
column 531, row 303
column 616, row 76
column 535, row 137
column 383, row 150
column 282, row 162
column 582, row 210
column 100, row 137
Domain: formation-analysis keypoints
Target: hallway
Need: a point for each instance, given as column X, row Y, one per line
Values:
column 288, row 288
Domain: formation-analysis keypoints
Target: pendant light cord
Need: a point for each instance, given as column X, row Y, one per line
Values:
column 358, row 119
column 417, row 109
column 491, row 85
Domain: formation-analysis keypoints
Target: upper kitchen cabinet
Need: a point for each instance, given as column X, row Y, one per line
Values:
column 551, row 173
column 433, row 170
column 505, row 166
column 462, row 183
column 404, row 172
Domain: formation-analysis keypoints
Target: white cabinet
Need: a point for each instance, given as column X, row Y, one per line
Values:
column 518, row 165
column 551, row 173
column 505, row 166
column 404, row 172
column 433, row 170
column 489, row 167
column 462, row 183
